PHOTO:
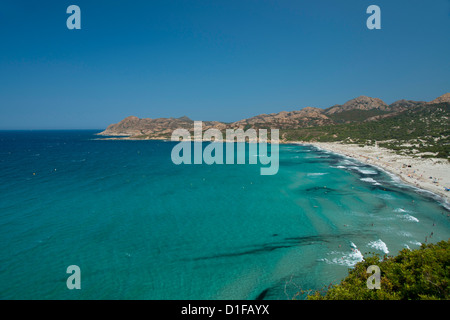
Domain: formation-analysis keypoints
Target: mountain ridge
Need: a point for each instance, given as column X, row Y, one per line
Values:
column 359, row 109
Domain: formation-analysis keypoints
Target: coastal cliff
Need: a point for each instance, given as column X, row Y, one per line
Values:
column 360, row 109
column 413, row 128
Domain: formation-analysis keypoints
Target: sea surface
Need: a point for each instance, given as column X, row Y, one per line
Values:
column 141, row 227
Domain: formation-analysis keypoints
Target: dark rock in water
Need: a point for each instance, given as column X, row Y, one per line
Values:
column 262, row 295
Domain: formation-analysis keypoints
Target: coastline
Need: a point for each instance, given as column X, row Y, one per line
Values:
column 428, row 174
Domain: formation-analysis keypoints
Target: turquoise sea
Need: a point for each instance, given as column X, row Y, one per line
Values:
column 140, row 227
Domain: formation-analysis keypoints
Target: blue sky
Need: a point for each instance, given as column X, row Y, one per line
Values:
column 219, row 60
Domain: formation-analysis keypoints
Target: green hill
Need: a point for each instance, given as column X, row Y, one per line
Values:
column 423, row 131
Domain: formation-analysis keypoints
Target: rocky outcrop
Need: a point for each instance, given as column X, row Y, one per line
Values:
column 285, row 120
column 443, row 98
column 134, row 126
column 360, row 103
column 360, row 109
column 401, row 105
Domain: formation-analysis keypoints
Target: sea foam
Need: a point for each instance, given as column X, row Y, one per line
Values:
column 371, row 180
column 349, row 259
column 410, row 218
column 316, row 174
column 379, row 245
column 363, row 171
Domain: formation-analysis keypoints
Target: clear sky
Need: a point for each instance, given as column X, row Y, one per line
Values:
column 219, row 60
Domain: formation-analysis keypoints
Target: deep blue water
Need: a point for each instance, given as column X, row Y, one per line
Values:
column 140, row 227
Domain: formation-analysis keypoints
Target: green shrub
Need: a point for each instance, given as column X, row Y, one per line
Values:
column 411, row 275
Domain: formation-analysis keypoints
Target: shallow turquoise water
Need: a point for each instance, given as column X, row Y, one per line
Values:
column 140, row 227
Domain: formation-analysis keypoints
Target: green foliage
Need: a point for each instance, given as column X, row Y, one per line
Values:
column 421, row 274
column 355, row 115
column 424, row 129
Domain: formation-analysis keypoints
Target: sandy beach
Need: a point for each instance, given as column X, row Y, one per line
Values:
column 430, row 174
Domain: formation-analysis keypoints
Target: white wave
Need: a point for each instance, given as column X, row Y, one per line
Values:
column 444, row 203
column 394, row 177
column 405, row 234
column 416, row 243
column 400, row 183
column 410, row 218
column 363, row 171
column 373, row 181
column 347, row 162
column 349, row 259
column 379, row 245
column 400, row 210
column 316, row 174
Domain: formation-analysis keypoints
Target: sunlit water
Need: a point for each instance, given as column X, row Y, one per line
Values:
column 140, row 227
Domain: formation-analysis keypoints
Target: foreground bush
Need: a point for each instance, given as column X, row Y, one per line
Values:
column 418, row 274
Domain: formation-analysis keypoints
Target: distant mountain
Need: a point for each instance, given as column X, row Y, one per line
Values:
column 160, row 127
column 443, row 98
column 421, row 130
column 360, row 103
column 309, row 123
column 368, row 109
column 401, row 105
column 395, row 108
column 283, row 120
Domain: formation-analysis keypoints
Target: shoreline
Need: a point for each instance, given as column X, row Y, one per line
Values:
column 430, row 174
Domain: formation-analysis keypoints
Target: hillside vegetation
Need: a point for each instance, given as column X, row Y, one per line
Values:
column 420, row 274
column 409, row 127
column 423, row 131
